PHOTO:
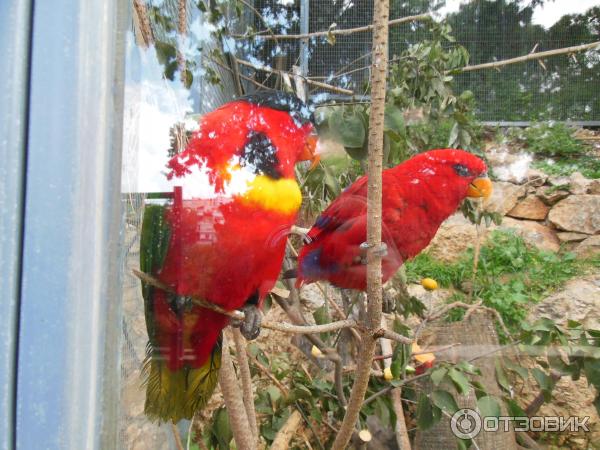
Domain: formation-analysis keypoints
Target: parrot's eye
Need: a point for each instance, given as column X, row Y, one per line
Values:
column 462, row 171
column 260, row 155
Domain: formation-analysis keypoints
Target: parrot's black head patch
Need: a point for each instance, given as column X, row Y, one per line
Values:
column 260, row 155
column 282, row 101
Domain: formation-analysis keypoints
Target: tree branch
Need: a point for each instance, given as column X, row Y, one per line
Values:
column 318, row 84
column 532, row 56
column 234, row 403
column 418, row 17
column 374, row 285
column 242, row 358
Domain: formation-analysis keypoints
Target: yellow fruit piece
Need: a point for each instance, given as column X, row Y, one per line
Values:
column 429, row 283
column 387, row 374
column 315, row 351
column 365, row 435
column 423, row 357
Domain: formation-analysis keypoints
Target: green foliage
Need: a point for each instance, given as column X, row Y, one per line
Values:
column 421, row 112
column 588, row 166
column 510, row 274
column 551, row 139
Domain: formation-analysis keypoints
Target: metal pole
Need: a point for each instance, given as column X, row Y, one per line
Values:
column 304, row 29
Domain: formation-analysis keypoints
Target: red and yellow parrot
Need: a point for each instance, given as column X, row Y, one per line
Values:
column 221, row 238
column 418, row 195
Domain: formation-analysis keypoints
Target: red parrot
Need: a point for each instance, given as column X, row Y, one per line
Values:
column 418, row 195
column 221, row 238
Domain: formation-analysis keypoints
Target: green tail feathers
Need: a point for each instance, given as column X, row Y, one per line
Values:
column 172, row 396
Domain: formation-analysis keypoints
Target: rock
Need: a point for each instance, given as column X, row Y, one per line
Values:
column 504, row 197
column 578, row 300
column 534, row 233
column 559, row 181
column 569, row 236
column 454, row 236
column 579, row 213
column 311, row 296
column 535, row 177
column 588, row 248
column 550, row 196
column 578, row 184
column 531, row 207
column 594, row 187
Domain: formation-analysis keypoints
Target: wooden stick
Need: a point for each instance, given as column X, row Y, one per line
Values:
column 374, row 188
column 415, row 18
column 234, row 403
column 279, row 326
column 287, row 431
column 244, row 368
column 318, row 84
column 532, row 56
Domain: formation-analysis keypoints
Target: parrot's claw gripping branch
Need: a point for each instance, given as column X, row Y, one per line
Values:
column 250, row 325
column 380, row 251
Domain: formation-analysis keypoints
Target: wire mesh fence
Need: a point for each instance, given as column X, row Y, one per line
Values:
column 561, row 88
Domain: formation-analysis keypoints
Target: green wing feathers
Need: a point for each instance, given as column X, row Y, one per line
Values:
column 172, row 396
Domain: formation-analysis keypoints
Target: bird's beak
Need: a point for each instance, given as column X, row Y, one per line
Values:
column 480, row 187
column 309, row 153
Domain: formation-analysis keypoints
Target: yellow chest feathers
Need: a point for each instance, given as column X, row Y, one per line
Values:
column 281, row 195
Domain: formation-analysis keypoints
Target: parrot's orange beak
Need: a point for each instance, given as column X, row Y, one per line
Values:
column 480, row 187
column 309, row 153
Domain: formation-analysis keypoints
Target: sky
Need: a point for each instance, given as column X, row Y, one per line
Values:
column 547, row 14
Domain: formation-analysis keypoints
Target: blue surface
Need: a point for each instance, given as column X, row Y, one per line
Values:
column 14, row 69
column 71, row 225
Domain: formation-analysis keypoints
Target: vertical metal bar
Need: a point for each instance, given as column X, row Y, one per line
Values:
column 304, row 29
column 71, row 224
column 15, row 32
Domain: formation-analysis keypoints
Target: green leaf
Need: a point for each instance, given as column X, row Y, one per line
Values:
column 438, row 374
column 427, row 414
column 400, row 359
column 463, row 444
column 460, row 380
column 488, row 406
column 444, row 400
column 348, row 128
column 394, row 120
column 545, row 382
column 466, row 366
column 521, row 371
column 591, row 368
column 514, row 409
column 453, row 135
column 501, row 377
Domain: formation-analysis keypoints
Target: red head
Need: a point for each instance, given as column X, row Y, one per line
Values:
column 266, row 132
column 446, row 174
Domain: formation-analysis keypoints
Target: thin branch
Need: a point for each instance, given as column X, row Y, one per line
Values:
column 270, row 376
column 374, row 284
column 277, row 326
column 175, row 432
column 287, row 431
column 144, row 26
column 418, row 17
column 234, row 403
column 242, row 358
column 318, row 84
column 532, row 56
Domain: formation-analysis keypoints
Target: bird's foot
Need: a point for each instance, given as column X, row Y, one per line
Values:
column 380, row 250
column 250, row 326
